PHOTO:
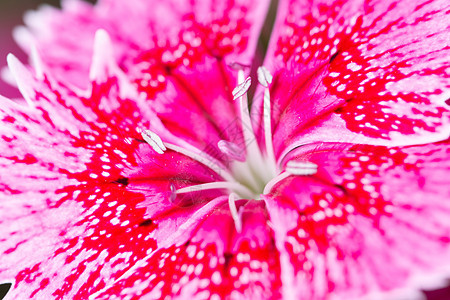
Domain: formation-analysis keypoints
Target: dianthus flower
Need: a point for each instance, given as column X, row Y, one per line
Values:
column 139, row 171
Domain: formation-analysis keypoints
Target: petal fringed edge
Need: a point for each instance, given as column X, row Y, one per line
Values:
column 183, row 31
column 181, row 66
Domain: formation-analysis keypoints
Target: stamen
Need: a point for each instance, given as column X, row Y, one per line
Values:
column 274, row 181
column 233, row 186
column 237, row 216
column 249, row 171
column 205, row 159
column 202, row 157
column 173, row 194
column 154, row 141
column 302, row 168
column 231, row 149
column 265, row 78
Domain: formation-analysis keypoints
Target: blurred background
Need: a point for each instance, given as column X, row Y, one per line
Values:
column 11, row 12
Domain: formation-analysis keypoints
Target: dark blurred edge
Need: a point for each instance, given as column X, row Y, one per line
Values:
column 11, row 14
column 439, row 294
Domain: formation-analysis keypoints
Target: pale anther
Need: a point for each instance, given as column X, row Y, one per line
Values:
column 264, row 76
column 231, row 150
column 154, row 141
column 302, row 168
column 173, row 191
column 242, row 88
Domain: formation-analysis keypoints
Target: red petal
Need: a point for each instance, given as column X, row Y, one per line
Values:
column 176, row 52
column 64, row 223
column 372, row 221
column 215, row 263
column 170, row 32
column 375, row 72
column 79, row 185
column 202, row 99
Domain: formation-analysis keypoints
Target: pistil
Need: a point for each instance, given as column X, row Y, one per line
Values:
column 298, row 168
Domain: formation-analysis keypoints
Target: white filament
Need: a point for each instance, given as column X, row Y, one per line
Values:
column 204, row 159
column 232, row 186
column 235, row 214
column 250, row 172
column 274, row 181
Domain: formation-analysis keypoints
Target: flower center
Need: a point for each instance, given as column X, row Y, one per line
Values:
column 253, row 171
column 256, row 169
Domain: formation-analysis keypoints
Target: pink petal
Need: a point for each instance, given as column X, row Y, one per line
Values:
column 215, row 262
column 92, row 210
column 175, row 53
column 360, row 72
column 61, row 228
column 373, row 221
column 174, row 31
column 202, row 99
column 82, row 194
